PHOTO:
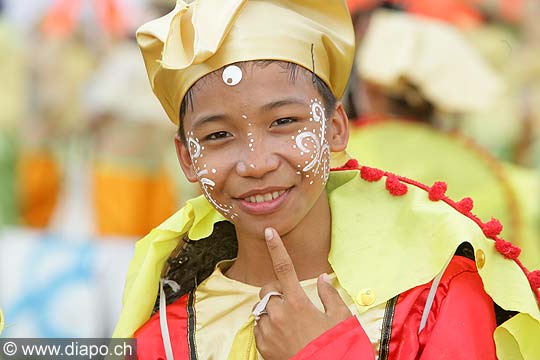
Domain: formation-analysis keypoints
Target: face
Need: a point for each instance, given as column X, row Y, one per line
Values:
column 259, row 145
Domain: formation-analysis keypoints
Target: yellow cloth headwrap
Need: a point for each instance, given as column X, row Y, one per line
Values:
column 198, row 38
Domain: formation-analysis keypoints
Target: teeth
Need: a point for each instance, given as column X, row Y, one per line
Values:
column 264, row 197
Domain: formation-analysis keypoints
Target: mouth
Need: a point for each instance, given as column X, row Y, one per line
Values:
column 263, row 201
column 262, row 198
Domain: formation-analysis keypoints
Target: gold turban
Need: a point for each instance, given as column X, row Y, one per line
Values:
column 200, row 37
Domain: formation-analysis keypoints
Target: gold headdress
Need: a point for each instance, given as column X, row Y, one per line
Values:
column 200, row 37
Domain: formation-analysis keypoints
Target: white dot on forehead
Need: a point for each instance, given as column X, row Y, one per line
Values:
column 232, row 75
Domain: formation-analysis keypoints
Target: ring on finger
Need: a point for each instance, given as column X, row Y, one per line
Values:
column 260, row 309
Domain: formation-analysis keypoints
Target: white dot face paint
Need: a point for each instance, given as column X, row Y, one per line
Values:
column 250, row 135
column 207, row 184
column 232, row 75
column 314, row 144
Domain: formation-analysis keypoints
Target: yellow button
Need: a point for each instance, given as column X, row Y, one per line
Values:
column 366, row 297
column 480, row 258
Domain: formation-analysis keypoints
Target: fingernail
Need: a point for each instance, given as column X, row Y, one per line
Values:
column 325, row 278
column 268, row 234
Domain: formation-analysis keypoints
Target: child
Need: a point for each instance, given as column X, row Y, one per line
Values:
column 283, row 258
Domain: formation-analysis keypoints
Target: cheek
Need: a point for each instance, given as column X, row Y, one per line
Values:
column 311, row 146
column 211, row 175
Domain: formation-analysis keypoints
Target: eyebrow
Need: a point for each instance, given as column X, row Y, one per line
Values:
column 282, row 102
column 208, row 119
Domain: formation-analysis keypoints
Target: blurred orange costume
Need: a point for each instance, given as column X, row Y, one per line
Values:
column 39, row 185
column 130, row 202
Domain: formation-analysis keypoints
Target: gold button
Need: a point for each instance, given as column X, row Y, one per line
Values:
column 366, row 297
column 480, row 258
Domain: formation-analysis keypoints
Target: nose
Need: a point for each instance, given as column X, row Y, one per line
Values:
column 257, row 160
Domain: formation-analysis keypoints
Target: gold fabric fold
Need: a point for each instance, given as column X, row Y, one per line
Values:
column 198, row 38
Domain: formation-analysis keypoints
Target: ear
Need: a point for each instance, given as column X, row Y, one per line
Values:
column 338, row 134
column 184, row 158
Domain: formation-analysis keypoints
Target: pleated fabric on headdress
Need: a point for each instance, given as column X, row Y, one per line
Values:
column 198, row 38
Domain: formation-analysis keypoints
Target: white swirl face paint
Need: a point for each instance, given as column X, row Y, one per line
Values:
column 196, row 151
column 314, row 144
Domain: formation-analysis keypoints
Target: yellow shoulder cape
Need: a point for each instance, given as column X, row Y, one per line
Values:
column 383, row 227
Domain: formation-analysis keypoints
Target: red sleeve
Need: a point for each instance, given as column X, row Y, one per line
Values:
column 460, row 324
column 464, row 324
column 345, row 341
column 150, row 342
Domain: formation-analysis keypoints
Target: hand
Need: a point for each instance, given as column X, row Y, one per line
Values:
column 292, row 321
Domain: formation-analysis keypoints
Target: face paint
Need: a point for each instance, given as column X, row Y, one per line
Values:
column 207, row 185
column 314, row 144
column 232, row 75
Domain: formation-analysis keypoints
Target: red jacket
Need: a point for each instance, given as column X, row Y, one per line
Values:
column 460, row 326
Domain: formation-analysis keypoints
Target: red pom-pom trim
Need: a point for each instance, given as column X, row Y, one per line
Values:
column 396, row 187
column 507, row 249
column 492, row 228
column 437, row 191
column 371, row 174
column 465, row 205
column 351, row 164
column 534, row 279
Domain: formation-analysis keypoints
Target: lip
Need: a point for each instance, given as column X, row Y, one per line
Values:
column 266, row 207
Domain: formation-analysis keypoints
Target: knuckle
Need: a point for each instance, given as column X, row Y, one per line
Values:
column 273, row 245
column 283, row 267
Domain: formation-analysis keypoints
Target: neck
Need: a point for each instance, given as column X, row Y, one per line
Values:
column 308, row 245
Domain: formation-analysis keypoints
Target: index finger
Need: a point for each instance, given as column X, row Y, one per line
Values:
column 281, row 261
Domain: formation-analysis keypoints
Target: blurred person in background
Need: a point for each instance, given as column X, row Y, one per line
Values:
column 13, row 94
column 132, row 190
column 417, row 78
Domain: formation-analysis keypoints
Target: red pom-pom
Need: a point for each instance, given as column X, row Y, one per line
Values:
column 371, row 174
column 395, row 187
column 507, row 249
column 492, row 228
column 465, row 205
column 437, row 191
column 351, row 164
column 534, row 279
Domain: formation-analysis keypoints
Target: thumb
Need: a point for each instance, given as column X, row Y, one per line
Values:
column 329, row 296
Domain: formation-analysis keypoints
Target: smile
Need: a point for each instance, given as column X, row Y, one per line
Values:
column 264, row 197
column 265, row 202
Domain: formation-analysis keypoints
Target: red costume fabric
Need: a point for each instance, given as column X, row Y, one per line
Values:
column 460, row 325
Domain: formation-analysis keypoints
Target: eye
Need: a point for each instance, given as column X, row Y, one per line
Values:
column 218, row 135
column 283, row 121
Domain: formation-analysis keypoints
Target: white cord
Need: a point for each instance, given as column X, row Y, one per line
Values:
column 163, row 322
column 431, row 297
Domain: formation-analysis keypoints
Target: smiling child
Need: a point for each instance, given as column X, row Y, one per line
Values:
column 281, row 257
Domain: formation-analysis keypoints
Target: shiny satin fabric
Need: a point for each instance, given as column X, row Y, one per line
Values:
column 223, row 306
column 198, row 38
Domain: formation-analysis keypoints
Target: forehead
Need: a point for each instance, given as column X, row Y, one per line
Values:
column 261, row 81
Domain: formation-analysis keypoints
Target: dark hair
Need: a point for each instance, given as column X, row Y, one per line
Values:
column 193, row 261
column 329, row 99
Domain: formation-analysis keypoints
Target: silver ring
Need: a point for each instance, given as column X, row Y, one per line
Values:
column 260, row 309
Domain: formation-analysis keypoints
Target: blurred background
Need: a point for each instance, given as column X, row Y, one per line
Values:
column 440, row 90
